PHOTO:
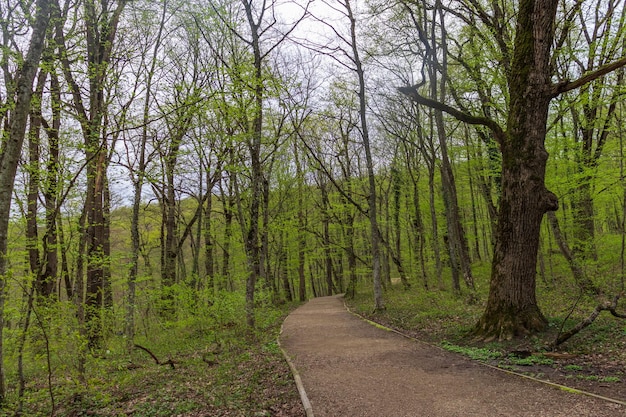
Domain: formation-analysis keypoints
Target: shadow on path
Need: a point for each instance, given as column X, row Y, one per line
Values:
column 350, row 368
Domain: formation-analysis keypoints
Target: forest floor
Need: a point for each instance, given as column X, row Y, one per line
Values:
column 351, row 367
column 205, row 370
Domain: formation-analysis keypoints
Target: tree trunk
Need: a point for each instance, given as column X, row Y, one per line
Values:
column 50, row 269
column 434, row 224
column 397, row 193
column 209, row 258
column 456, row 233
column 34, row 177
column 138, row 183
column 512, row 306
column 301, row 227
column 580, row 277
column 328, row 261
column 369, row 162
column 12, row 149
column 227, row 203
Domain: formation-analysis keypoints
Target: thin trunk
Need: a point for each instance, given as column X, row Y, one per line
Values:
column 456, row 233
column 369, row 161
column 284, row 273
column 397, row 193
column 34, row 178
column 580, row 277
column 326, row 243
column 227, row 203
column 473, row 199
column 107, row 285
column 50, row 270
column 197, row 238
column 138, row 182
column 209, row 258
column 301, row 227
column 434, row 225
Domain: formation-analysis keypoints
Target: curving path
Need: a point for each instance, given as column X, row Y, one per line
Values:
column 350, row 368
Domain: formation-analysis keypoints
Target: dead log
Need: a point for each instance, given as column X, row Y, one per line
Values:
column 606, row 305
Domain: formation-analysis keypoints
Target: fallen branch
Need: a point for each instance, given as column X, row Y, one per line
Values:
column 607, row 305
column 169, row 362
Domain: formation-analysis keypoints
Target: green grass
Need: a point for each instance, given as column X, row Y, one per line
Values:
column 472, row 352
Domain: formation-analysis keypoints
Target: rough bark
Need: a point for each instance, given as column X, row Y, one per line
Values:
column 512, row 308
column 51, row 191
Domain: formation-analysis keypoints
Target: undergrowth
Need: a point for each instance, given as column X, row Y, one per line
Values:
column 220, row 367
column 445, row 318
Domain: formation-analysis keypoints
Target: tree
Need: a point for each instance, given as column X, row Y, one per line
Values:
column 349, row 57
column 592, row 111
column 260, row 38
column 12, row 142
column 138, row 176
column 512, row 308
column 90, row 110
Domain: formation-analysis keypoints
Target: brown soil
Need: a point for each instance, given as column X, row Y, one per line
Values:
column 351, row 368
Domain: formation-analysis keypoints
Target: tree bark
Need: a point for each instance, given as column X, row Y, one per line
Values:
column 512, row 308
column 12, row 148
column 51, row 191
column 301, row 226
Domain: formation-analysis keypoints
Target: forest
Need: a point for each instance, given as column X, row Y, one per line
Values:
column 175, row 176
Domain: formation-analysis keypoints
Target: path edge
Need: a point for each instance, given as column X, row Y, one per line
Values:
column 304, row 398
column 506, row 371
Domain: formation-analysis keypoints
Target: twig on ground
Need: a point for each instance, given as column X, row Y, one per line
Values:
column 169, row 362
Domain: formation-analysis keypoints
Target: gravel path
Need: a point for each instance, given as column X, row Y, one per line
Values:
column 350, row 368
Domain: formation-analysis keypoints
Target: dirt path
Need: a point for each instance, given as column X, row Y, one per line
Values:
column 350, row 368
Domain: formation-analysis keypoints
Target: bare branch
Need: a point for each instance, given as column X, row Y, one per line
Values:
column 412, row 93
column 566, row 86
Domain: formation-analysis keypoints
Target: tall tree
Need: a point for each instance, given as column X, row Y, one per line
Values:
column 348, row 42
column 512, row 305
column 12, row 142
column 100, row 21
column 261, row 38
column 592, row 109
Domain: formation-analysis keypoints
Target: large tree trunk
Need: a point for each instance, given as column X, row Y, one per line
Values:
column 512, row 306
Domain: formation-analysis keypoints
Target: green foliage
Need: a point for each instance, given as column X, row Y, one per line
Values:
column 530, row 360
column 219, row 364
column 476, row 353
